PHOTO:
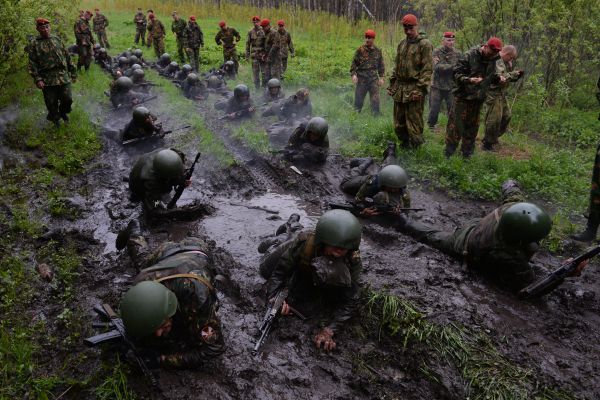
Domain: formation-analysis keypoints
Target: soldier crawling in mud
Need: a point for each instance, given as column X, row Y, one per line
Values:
column 217, row 85
column 239, row 106
column 171, row 311
column 227, row 70
column 142, row 124
column 386, row 188
column 273, row 92
column 193, row 88
column 103, row 59
column 183, row 73
column 163, row 62
column 120, row 67
column 171, row 71
column 321, row 266
column 121, row 94
column 309, row 143
column 296, row 107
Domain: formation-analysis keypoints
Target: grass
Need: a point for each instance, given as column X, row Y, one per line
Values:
column 115, row 386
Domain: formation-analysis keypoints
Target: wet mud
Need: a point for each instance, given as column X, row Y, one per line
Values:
column 558, row 337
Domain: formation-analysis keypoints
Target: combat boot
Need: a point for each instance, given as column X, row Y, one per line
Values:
column 449, row 150
column 485, row 146
column 133, row 229
column 293, row 221
column 590, row 231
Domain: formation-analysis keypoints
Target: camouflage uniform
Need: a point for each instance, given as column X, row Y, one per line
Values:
column 228, row 38
column 441, row 86
column 85, row 40
column 103, row 60
column 197, row 91
column 287, row 48
column 368, row 66
column 50, row 63
column 233, row 105
column 498, row 114
column 480, row 244
column 136, row 130
column 146, row 186
column 594, row 206
column 301, row 149
column 178, row 28
column 463, row 121
column 295, row 108
column 411, row 76
column 255, row 50
column 294, row 270
column 100, row 23
column 269, row 98
column 273, row 54
column 185, row 268
column 140, row 27
column 193, row 39
column 156, row 31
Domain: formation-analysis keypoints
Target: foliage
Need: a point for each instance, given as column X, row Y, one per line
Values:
column 115, row 386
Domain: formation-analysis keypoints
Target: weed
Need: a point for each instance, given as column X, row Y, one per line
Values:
column 115, row 385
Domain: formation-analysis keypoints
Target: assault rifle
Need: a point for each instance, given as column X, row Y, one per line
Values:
column 357, row 207
column 554, row 279
column 236, row 114
column 181, row 187
column 273, row 312
column 162, row 134
column 107, row 313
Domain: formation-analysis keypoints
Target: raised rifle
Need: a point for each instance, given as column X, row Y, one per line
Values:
column 162, row 134
column 357, row 207
column 181, row 187
column 555, row 278
column 107, row 313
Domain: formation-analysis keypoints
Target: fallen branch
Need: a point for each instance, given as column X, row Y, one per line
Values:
column 267, row 210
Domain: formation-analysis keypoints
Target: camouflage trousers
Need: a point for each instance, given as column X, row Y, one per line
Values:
column 58, row 101
column 102, row 39
column 497, row 118
column 408, row 123
column 594, row 206
column 230, row 53
column 362, row 88
column 159, row 46
column 140, row 34
column 435, row 104
column 463, row 124
column 149, row 40
column 284, row 61
column 85, row 56
column 259, row 69
column 274, row 69
column 180, row 52
column 194, row 57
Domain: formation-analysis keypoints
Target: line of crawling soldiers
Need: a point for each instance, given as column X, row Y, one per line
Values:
column 171, row 310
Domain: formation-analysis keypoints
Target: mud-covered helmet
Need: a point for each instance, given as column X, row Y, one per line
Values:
column 145, row 307
column 123, row 60
column 173, row 65
column 137, row 75
column 241, row 90
column 102, row 50
column 229, row 64
column 524, row 223
column 338, row 228
column 127, row 53
column 213, row 82
column 96, row 47
column 123, row 84
column 140, row 114
column 192, row 78
column 318, row 126
column 392, row 176
column 138, row 53
column 133, row 60
column 273, row 83
column 187, row 68
column 165, row 59
column 136, row 66
column 168, row 164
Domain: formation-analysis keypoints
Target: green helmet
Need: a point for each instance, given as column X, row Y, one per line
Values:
column 173, row 65
column 123, row 60
column 187, row 68
column 136, row 66
column 140, row 114
column 138, row 53
column 524, row 223
column 273, row 83
column 137, row 75
column 133, row 60
column 317, row 125
column 229, row 64
column 213, row 82
column 392, row 176
column 241, row 90
column 165, row 59
column 192, row 78
column 127, row 53
column 145, row 307
column 96, row 47
column 123, row 84
column 338, row 228
column 102, row 50
column 168, row 164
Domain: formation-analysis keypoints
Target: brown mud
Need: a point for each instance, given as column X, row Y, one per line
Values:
column 557, row 337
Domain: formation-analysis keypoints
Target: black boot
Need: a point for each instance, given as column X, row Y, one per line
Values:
column 133, row 229
column 449, row 150
column 292, row 221
column 590, row 231
column 355, row 162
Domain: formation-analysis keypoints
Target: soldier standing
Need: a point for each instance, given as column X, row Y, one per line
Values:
column 140, row 26
column 178, row 27
column 84, row 40
column 409, row 83
column 149, row 37
column 156, row 31
column 255, row 51
column 367, row 72
column 52, row 71
column 228, row 37
column 272, row 50
column 498, row 114
column 287, row 47
column 193, row 40
column 100, row 23
column 475, row 71
column 444, row 61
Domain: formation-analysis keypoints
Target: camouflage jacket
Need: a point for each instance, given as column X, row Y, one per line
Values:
column 269, row 98
column 50, row 62
column 301, row 146
column 100, row 23
column 473, row 64
column 140, row 21
column 296, row 261
column 178, row 28
column 293, row 108
column 412, row 68
column 367, row 64
column 156, row 29
column 255, row 43
column 135, row 130
column 444, row 61
column 227, row 38
column 197, row 304
column 287, row 47
column 233, row 105
column 370, row 189
column 193, row 36
column 506, row 70
column 272, row 45
column 194, row 92
column 83, row 34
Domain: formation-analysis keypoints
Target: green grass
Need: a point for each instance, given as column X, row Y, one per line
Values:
column 115, row 386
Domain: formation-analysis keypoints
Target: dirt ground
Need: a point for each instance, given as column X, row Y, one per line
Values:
column 557, row 337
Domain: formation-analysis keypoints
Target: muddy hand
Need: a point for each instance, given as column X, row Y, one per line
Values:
column 354, row 79
column 285, row 308
column 580, row 267
column 40, row 84
column 325, row 338
column 369, row 212
column 476, row 80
